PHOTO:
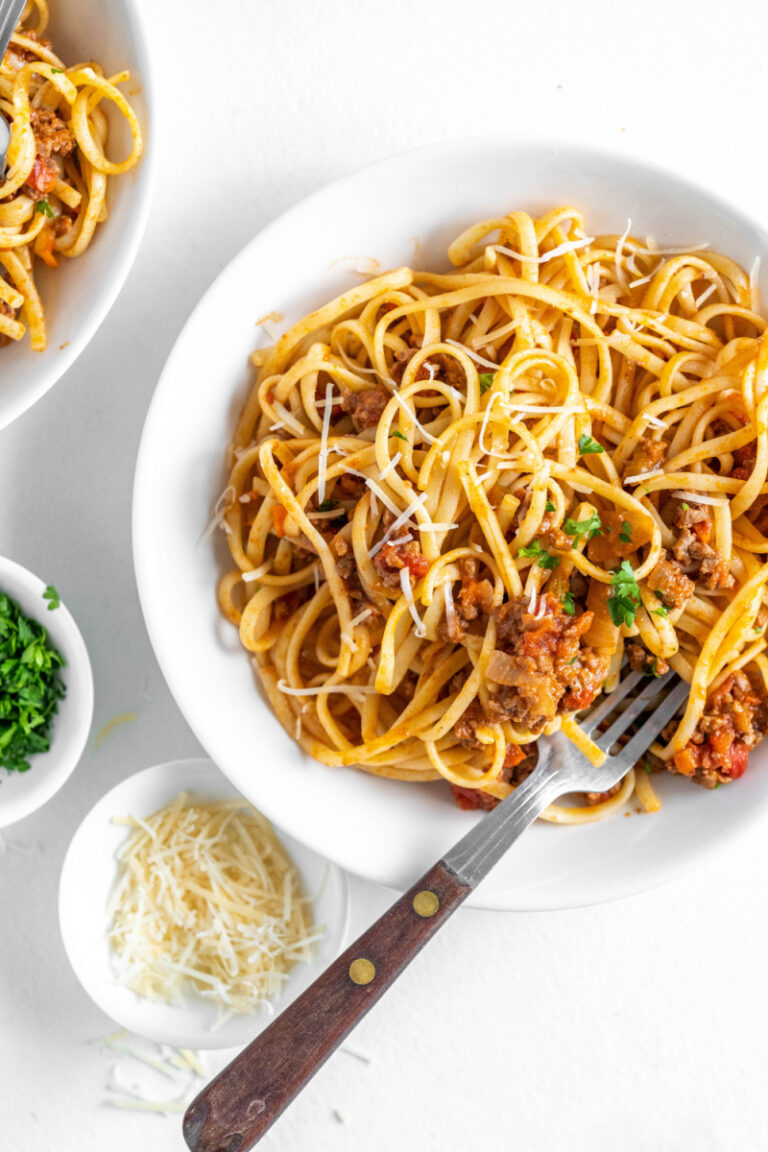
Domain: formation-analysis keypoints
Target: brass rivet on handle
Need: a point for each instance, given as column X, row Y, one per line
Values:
column 425, row 904
column 361, row 971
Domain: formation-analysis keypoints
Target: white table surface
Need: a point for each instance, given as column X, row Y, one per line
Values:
column 641, row 1025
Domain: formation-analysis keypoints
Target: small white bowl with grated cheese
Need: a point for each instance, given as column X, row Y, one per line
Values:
column 132, row 917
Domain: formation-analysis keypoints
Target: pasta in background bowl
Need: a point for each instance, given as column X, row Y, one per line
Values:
column 388, row 829
column 77, row 294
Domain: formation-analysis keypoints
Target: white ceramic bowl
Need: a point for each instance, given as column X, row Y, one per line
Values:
column 22, row 793
column 87, row 876
column 382, row 829
column 78, row 294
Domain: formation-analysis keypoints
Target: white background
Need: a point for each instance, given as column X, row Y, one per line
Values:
column 634, row 1026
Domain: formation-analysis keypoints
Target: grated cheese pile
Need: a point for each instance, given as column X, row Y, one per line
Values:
column 207, row 900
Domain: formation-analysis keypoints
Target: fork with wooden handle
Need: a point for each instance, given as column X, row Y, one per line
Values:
column 241, row 1103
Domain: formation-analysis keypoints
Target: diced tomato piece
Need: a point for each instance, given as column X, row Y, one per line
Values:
column 473, row 798
column 738, row 764
column 514, row 755
column 686, row 760
column 43, row 176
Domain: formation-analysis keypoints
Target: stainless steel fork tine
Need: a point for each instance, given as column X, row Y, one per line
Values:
column 634, row 709
column 609, row 702
column 644, row 736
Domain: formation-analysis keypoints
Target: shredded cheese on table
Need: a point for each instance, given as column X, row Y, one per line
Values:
column 207, row 901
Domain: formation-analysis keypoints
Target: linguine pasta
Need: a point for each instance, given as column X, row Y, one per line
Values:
column 53, row 192
column 458, row 502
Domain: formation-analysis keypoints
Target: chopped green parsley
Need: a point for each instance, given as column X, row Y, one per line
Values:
column 589, row 528
column 568, row 603
column 626, row 532
column 625, row 595
column 52, row 596
column 486, row 381
column 544, row 558
column 588, row 445
column 30, row 686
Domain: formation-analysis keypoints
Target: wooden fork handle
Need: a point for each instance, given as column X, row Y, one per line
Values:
column 244, row 1100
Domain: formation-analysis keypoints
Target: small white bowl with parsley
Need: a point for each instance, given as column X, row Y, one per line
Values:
column 46, row 692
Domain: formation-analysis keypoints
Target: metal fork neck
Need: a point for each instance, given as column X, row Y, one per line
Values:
column 483, row 846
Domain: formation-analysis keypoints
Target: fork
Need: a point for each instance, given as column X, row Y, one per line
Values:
column 241, row 1103
column 10, row 11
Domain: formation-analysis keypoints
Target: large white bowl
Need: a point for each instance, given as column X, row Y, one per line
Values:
column 78, row 294
column 386, row 830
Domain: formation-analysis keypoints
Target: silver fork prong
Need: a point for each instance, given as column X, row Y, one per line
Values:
column 633, row 709
column 644, row 737
column 609, row 702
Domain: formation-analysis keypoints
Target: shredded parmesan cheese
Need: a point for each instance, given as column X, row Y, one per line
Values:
column 695, row 498
column 617, row 258
column 644, row 476
column 568, row 246
column 208, row 901
column 256, row 573
column 705, row 295
column 474, row 355
column 322, row 459
column 405, row 584
column 316, row 691
column 401, row 519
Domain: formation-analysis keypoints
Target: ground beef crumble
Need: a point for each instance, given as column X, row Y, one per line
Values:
column 646, row 458
column 391, row 559
column 735, row 719
column 693, row 551
column 365, row 406
column 670, row 583
column 641, row 660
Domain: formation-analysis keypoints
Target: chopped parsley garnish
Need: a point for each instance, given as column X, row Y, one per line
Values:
column 662, row 611
column 589, row 528
column 626, row 532
column 651, row 670
column 30, row 686
column 327, row 506
column 400, row 435
column 57, row 71
column 625, row 595
column 52, row 596
column 647, row 765
column 549, row 507
column 44, row 207
column 573, row 660
column 568, row 603
column 545, row 560
column 486, row 381
column 717, row 785
column 587, row 445
column 684, row 507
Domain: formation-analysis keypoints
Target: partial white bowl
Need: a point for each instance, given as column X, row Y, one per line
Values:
column 382, row 829
column 22, row 793
column 78, row 294
column 87, row 877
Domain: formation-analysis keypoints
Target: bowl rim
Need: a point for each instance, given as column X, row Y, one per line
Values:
column 49, row 778
column 206, row 778
column 611, row 888
column 52, row 369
